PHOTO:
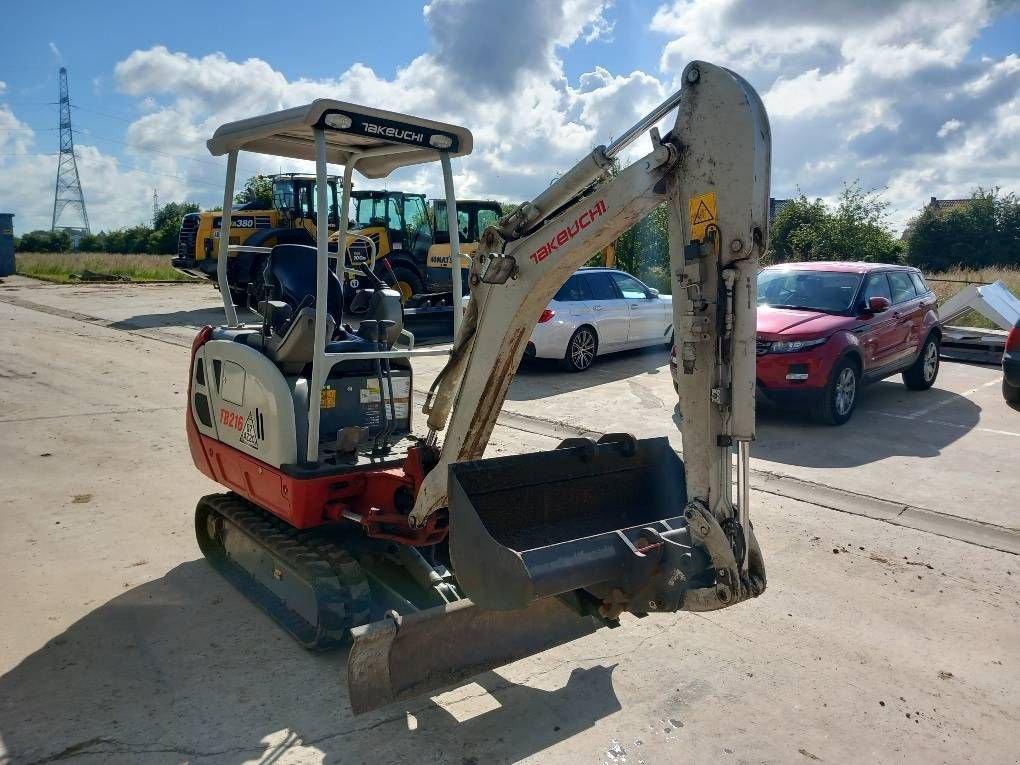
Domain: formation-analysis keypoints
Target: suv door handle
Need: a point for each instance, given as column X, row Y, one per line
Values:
column 597, row 308
column 635, row 305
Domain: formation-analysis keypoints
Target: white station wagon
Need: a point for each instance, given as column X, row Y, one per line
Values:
column 599, row 311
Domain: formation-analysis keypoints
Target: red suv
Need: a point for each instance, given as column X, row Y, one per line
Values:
column 824, row 329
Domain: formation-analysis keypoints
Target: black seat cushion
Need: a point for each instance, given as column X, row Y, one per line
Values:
column 349, row 343
column 291, row 270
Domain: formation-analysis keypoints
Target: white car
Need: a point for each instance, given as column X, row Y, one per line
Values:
column 599, row 311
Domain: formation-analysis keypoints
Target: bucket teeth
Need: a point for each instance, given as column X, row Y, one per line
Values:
column 399, row 657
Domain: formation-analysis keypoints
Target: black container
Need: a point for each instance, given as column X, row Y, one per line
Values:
column 7, row 266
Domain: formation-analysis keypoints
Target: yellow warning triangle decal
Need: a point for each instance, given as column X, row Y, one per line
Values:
column 703, row 215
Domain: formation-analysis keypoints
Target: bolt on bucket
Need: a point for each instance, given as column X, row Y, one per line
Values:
column 595, row 516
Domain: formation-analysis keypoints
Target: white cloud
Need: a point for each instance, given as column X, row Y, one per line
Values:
column 887, row 91
column 948, row 127
column 494, row 68
column 807, row 93
column 57, row 58
column 3, row 87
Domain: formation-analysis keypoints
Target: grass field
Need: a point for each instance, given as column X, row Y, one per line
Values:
column 68, row 267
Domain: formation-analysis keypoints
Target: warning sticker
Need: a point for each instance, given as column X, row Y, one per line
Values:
column 370, row 399
column 370, row 393
column 250, row 434
column 328, row 398
column 703, row 212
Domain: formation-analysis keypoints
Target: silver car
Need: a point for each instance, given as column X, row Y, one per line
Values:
column 599, row 311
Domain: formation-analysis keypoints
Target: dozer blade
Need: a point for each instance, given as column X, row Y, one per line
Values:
column 608, row 518
column 399, row 657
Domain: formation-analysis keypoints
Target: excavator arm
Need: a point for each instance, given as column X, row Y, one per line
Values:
column 549, row 546
column 712, row 170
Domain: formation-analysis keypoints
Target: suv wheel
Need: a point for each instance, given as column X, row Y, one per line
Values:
column 1011, row 393
column 581, row 349
column 839, row 398
column 923, row 372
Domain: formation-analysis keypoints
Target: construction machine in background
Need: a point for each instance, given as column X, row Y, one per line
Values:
column 344, row 519
column 409, row 235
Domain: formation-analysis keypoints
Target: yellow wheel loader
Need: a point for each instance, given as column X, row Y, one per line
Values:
column 410, row 237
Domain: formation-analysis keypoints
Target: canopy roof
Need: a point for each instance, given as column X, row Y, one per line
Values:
column 381, row 141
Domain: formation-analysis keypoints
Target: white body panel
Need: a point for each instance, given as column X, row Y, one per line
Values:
column 251, row 406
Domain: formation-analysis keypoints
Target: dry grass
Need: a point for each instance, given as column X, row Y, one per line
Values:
column 946, row 289
column 64, row 267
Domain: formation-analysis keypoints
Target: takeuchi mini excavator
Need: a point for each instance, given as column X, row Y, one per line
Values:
column 346, row 520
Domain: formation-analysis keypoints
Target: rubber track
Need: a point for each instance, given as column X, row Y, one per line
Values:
column 341, row 590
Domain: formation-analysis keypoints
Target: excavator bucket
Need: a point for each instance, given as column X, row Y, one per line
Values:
column 527, row 531
column 586, row 515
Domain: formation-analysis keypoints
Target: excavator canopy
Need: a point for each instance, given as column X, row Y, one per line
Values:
column 381, row 141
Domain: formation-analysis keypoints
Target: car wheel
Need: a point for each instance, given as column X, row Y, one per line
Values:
column 923, row 372
column 839, row 398
column 581, row 349
column 1011, row 393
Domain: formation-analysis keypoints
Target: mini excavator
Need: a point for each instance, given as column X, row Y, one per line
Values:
column 346, row 523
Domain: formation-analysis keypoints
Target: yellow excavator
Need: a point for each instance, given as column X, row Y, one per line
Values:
column 346, row 520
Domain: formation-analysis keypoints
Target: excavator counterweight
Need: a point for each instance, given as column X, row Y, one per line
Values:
column 470, row 563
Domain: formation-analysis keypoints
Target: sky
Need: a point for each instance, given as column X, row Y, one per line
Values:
column 916, row 98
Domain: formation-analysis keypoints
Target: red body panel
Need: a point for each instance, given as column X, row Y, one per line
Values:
column 379, row 499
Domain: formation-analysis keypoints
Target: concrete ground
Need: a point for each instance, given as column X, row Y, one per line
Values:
column 888, row 632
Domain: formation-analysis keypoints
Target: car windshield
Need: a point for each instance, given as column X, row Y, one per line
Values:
column 824, row 291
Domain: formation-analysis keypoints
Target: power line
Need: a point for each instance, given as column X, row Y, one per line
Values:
column 81, row 131
column 105, row 114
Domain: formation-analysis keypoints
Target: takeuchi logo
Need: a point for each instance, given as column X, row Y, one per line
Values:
column 567, row 233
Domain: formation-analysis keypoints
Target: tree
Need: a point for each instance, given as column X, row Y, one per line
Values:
column 163, row 239
column 258, row 188
column 984, row 231
column 793, row 224
column 857, row 229
column 44, row 241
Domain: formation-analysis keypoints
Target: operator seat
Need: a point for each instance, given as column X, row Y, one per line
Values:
column 290, row 273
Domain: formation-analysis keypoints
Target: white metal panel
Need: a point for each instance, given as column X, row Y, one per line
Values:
column 288, row 133
column 993, row 301
column 272, row 440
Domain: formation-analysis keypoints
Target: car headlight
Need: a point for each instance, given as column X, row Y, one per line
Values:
column 792, row 346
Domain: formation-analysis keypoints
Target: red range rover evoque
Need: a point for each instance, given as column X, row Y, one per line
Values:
column 825, row 329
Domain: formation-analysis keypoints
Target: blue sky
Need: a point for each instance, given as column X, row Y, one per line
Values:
column 917, row 98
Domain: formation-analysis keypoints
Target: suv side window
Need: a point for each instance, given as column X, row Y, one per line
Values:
column 600, row 286
column 902, row 287
column 919, row 283
column 877, row 286
column 630, row 288
column 574, row 291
